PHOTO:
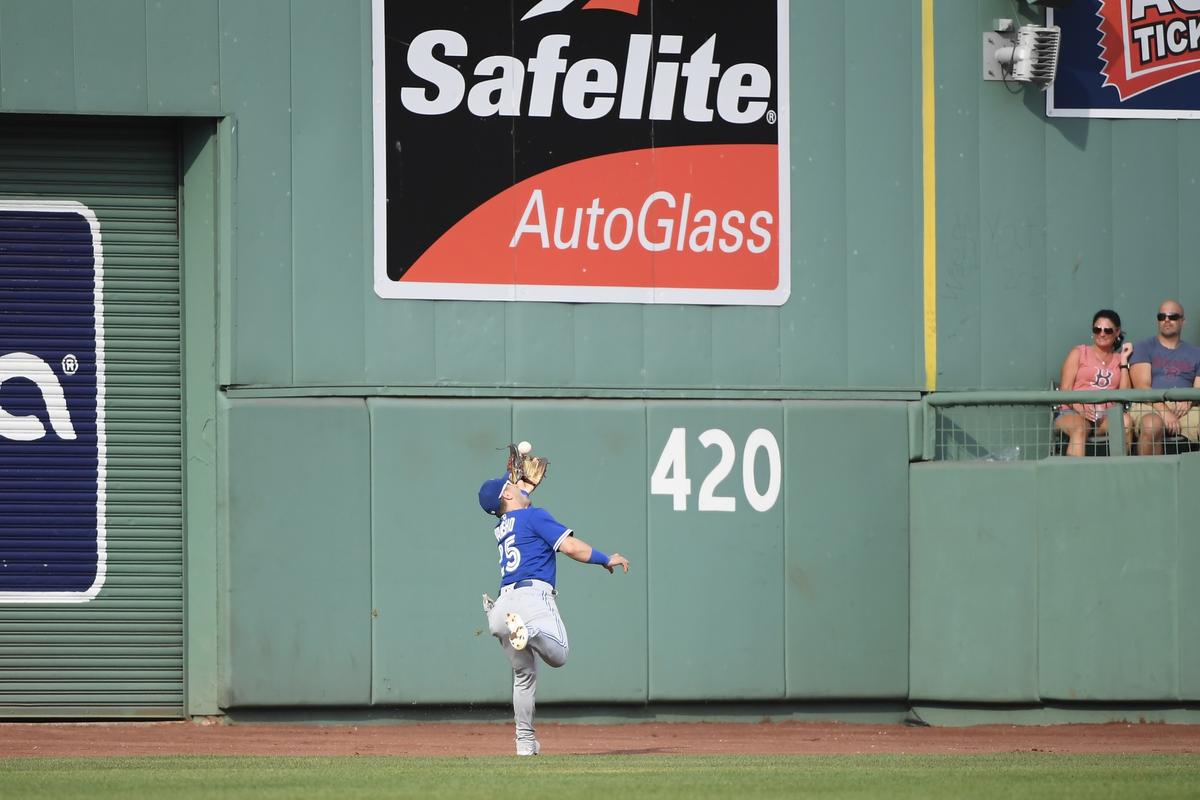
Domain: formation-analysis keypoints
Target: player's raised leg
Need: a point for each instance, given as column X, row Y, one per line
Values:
column 544, row 626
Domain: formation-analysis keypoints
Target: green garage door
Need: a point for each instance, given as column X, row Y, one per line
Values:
column 91, row 551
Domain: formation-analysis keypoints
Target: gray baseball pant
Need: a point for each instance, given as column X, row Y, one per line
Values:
column 547, row 638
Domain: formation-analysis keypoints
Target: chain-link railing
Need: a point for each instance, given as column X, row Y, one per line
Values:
column 1019, row 426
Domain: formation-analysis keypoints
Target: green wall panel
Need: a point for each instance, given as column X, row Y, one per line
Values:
column 846, row 550
column 959, row 299
column 299, row 553
column 1107, row 580
column 609, row 345
column 1042, row 222
column 1080, row 271
column 1012, row 236
column 595, row 486
column 1188, row 578
column 182, row 52
column 330, row 214
column 257, row 91
column 468, row 342
column 1146, row 153
column 716, row 592
column 1102, row 612
column 546, row 353
column 198, row 207
column 398, row 344
column 882, row 197
column 37, row 59
column 974, row 579
column 1189, row 200
column 432, row 551
column 734, row 363
column 678, row 342
column 110, row 56
column 814, row 319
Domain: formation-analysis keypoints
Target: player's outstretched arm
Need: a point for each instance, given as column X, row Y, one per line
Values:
column 584, row 553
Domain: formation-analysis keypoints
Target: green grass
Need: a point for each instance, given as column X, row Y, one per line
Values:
column 1016, row 775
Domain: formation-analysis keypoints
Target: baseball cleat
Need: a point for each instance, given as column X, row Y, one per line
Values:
column 528, row 748
column 518, row 635
column 488, row 603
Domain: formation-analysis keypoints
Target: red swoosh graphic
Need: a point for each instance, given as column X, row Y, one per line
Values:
column 627, row 6
column 486, row 246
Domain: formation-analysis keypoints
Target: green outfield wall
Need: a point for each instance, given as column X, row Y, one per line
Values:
column 1066, row 596
column 945, row 235
column 1038, row 221
column 377, row 601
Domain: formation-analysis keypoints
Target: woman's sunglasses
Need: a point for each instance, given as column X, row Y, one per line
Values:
column 1098, row 330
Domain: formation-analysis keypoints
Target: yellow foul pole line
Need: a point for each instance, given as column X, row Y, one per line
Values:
column 929, row 189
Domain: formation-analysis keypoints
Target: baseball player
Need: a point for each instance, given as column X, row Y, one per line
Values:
column 524, row 617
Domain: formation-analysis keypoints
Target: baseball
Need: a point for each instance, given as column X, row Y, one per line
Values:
column 524, row 447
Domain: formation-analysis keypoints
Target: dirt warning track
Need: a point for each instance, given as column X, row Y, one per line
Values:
column 51, row 739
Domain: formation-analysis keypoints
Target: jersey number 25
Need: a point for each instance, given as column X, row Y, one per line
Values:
column 510, row 556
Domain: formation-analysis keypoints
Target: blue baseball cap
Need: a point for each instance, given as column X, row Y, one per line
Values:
column 489, row 495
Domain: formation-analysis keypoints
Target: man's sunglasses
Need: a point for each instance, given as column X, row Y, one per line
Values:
column 1098, row 330
column 1164, row 317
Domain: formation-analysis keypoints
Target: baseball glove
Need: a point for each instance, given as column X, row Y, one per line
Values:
column 528, row 467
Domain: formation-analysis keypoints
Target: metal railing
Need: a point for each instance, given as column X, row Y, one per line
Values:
column 1019, row 425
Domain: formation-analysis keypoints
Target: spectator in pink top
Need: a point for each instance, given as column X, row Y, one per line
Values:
column 1103, row 364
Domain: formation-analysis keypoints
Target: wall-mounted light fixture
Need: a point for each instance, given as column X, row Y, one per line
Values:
column 1028, row 54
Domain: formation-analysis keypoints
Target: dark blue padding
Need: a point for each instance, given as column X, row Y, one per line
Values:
column 50, row 522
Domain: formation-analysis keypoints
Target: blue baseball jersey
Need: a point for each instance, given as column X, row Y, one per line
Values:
column 528, row 540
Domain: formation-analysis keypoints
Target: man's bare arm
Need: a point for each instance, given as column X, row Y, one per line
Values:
column 1140, row 375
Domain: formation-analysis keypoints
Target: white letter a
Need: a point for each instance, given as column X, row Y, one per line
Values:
column 539, row 227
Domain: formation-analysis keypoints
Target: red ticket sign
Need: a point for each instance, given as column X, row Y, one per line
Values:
column 594, row 151
column 1147, row 43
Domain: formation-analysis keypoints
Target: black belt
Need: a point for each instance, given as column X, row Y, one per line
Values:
column 520, row 584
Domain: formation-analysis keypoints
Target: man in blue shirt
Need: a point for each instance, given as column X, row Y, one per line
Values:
column 1165, row 361
column 524, row 617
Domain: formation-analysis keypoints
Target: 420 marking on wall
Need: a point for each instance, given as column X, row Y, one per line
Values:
column 670, row 476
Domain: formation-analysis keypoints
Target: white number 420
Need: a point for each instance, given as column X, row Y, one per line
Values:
column 670, row 474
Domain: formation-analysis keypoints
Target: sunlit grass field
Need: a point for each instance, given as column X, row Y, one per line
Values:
column 617, row 777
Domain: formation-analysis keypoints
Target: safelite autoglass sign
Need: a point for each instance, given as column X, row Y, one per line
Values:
column 582, row 151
